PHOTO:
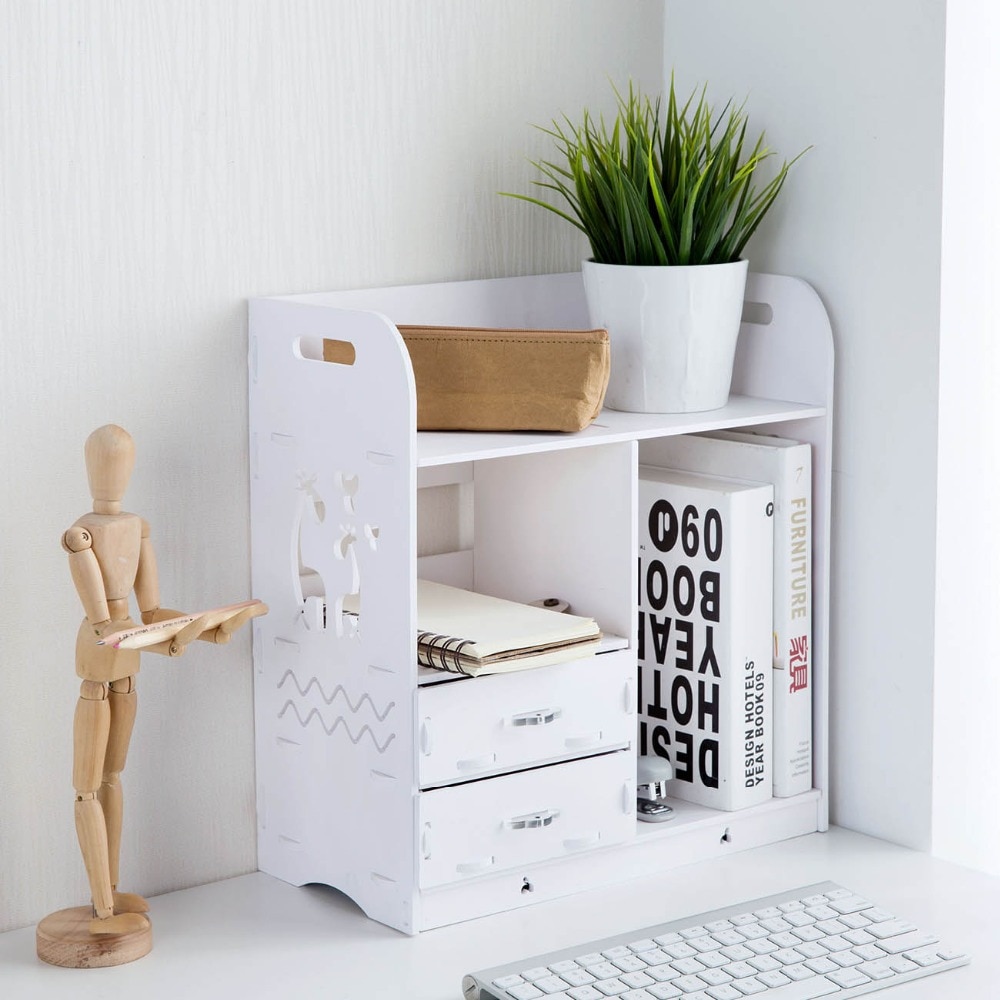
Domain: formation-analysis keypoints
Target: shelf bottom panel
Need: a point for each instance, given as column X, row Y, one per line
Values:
column 695, row 834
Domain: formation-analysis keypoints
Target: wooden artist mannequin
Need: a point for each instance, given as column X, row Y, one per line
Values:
column 110, row 556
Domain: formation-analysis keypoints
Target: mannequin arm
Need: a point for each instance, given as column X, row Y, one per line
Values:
column 86, row 573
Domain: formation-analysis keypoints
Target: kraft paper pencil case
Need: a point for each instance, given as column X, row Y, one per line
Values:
column 480, row 379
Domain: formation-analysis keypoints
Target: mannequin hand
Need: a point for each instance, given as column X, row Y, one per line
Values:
column 160, row 615
column 111, row 626
column 225, row 631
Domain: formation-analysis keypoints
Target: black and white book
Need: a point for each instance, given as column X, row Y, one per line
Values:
column 787, row 465
column 705, row 570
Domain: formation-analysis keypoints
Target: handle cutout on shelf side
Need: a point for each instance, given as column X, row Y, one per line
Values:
column 337, row 352
column 758, row 313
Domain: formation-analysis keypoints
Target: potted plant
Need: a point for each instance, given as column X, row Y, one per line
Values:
column 667, row 199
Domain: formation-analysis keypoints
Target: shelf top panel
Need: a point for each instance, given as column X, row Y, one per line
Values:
column 611, row 426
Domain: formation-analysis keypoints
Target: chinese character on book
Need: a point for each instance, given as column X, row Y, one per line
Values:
column 798, row 664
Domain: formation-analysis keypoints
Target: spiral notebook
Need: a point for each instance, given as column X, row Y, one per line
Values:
column 469, row 633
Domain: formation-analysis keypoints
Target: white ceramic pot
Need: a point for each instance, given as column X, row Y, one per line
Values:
column 673, row 332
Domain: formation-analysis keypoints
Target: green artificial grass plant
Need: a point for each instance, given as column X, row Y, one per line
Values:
column 661, row 189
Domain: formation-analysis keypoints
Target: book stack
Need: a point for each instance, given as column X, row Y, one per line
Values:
column 469, row 633
column 703, row 536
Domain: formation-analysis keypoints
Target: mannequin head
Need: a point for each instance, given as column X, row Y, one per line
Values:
column 110, row 455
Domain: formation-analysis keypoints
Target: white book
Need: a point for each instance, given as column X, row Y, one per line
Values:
column 787, row 465
column 469, row 633
column 705, row 565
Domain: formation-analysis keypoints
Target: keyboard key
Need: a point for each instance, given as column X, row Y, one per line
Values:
column 821, row 966
column 689, row 984
column 688, row 966
column 774, row 978
column 821, row 912
column 671, row 938
column 577, row 977
column 693, row 932
column 714, row 977
column 728, row 937
column 848, row 978
column 718, row 925
column 742, row 919
column 591, row 958
column 537, row 973
column 849, row 904
column 664, row 991
column 891, row 928
column 924, row 957
column 868, row 952
column 855, row 920
column 899, row 964
column 646, row 944
column 810, row 949
column 706, row 943
column 550, row 984
column 799, row 919
column 765, row 964
column 524, row 992
column 835, row 943
column 858, row 937
column 739, row 970
column 629, row 963
column 879, row 969
column 611, row 987
column 816, row 900
column 604, row 971
column 681, row 950
column 764, row 947
column 637, row 980
column 753, row 932
column 775, row 924
column 750, row 987
column 713, row 959
column 585, row 993
column 738, row 953
column 832, row 927
column 787, row 956
column 658, row 957
column 559, row 967
column 785, row 940
column 662, row 973
column 621, row 951
column 505, row 982
column 766, row 913
column 906, row 942
column 798, row 972
column 806, row 990
column 791, row 907
column 845, row 959
column 949, row 954
column 724, row 993
column 808, row 933
column 876, row 915
column 637, row 995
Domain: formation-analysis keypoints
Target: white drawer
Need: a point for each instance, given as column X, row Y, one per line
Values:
column 517, row 819
column 505, row 722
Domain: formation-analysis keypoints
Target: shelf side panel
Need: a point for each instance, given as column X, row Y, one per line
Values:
column 332, row 529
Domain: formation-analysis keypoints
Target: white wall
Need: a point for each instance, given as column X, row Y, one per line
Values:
column 967, row 694
column 860, row 219
column 161, row 162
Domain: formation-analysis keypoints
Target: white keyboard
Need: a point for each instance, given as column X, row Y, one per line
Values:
column 818, row 941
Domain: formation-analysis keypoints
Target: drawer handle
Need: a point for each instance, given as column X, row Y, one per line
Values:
column 540, row 717
column 476, row 763
column 425, row 738
column 579, row 843
column 471, row 867
column 533, row 820
column 587, row 740
column 425, row 842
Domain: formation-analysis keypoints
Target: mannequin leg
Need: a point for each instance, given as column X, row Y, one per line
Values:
column 91, row 728
column 91, row 725
column 122, row 700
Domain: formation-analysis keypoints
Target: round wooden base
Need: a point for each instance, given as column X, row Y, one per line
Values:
column 64, row 938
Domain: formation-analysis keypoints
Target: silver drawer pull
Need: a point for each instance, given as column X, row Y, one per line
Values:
column 533, row 820
column 540, row 717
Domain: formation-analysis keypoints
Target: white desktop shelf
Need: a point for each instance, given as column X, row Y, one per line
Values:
column 350, row 786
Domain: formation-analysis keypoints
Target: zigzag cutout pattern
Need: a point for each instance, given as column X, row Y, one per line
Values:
column 339, row 689
column 339, row 721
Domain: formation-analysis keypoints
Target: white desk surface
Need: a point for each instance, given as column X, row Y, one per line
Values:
column 254, row 936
